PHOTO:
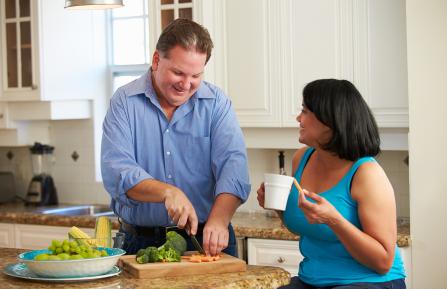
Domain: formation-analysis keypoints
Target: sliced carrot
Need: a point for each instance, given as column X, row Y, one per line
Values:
column 195, row 260
column 199, row 258
column 207, row 259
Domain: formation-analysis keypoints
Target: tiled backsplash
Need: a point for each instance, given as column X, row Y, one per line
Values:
column 75, row 180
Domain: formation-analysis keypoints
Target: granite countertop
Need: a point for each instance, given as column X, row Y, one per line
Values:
column 259, row 277
column 249, row 225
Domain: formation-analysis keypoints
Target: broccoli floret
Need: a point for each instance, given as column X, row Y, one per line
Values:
column 170, row 251
column 169, row 254
column 143, row 259
column 141, row 252
column 177, row 241
column 153, row 254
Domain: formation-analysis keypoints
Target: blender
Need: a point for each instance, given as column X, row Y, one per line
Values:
column 41, row 190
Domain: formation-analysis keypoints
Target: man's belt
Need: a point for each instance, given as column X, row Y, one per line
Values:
column 153, row 231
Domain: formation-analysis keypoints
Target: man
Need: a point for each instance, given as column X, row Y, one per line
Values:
column 173, row 153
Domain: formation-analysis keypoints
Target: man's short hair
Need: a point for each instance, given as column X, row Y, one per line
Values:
column 186, row 33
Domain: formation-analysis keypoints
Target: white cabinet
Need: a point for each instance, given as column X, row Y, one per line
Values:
column 7, row 235
column 53, row 65
column 49, row 52
column 271, row 49
column 278, row 253
column 39, row 237
column 34, row 237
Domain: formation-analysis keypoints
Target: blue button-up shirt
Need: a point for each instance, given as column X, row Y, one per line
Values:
column 201, row 150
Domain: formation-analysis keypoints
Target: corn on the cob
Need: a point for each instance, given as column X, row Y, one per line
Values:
column 103, row 232
column 80, row 236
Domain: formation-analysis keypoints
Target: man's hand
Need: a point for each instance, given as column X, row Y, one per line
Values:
column 181, row 211
column 215, row 236
column 215, row 233
column 176, row 202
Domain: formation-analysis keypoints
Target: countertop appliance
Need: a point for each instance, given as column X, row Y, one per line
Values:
column 7, row 187
column 41, row 190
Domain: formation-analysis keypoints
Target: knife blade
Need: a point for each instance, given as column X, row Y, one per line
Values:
column 197, row 245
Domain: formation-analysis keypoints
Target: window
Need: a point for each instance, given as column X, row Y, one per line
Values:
column 129, row 53
column 133, row 33
column 173, row 9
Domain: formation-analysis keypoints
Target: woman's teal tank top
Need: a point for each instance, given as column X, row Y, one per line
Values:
column 326, row 261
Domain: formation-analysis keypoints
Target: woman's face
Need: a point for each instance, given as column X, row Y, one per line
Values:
column 312, row 131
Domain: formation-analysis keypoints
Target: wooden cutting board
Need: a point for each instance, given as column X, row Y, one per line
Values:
column 225, row 264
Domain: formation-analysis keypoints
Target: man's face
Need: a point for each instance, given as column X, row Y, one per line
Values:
column 177, row 76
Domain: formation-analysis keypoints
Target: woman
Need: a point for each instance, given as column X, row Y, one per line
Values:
column 346, row 216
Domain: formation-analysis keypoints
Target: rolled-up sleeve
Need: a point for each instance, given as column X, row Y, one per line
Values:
column 228, row 152
column 119, row 169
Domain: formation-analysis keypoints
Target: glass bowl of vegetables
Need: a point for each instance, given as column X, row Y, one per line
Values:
column 72, row 258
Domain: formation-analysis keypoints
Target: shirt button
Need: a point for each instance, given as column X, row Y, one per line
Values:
column 167, row 130
column 169, row 177
column 168, row 153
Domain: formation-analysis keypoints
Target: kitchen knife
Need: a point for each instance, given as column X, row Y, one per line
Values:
column 196, row 245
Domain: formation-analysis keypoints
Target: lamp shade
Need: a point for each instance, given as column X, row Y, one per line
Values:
column 93, row 4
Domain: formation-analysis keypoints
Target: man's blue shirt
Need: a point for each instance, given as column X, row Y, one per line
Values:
column 201, row 150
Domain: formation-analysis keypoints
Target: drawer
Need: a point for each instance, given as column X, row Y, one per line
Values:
column 6, row 235
column 278, row 253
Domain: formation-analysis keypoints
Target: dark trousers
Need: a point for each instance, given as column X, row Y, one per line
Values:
column 296, row 283
column 134, row 242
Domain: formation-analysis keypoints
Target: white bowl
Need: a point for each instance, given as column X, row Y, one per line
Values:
column 71, row 268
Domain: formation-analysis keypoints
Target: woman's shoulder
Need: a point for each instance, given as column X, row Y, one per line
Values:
column 367, row 167
column 297, row 156
column 369, row 177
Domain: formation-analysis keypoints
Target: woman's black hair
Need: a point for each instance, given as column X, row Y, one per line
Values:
column 341, row 107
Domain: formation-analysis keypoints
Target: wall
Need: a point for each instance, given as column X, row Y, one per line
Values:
column 75, row 180
column 266, row 161
column 427, row 74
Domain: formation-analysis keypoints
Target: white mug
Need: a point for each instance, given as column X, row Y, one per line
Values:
column 277, row 189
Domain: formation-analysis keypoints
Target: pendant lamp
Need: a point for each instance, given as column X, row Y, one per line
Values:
column 93, row 4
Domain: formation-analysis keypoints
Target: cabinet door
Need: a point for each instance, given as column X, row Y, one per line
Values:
column 272, row 49
column 310, row 41
column 39, row 237
column 7, row 235
column 388, row 87
column 278, row 253
column 17, row 32
column 252, row 61
column 48, row 51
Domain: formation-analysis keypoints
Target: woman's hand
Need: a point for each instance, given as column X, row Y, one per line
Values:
column 320, row 212
column 261, row 195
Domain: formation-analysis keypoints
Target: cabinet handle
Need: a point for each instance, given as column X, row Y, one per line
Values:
column 280, row 260
column 1, row 115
